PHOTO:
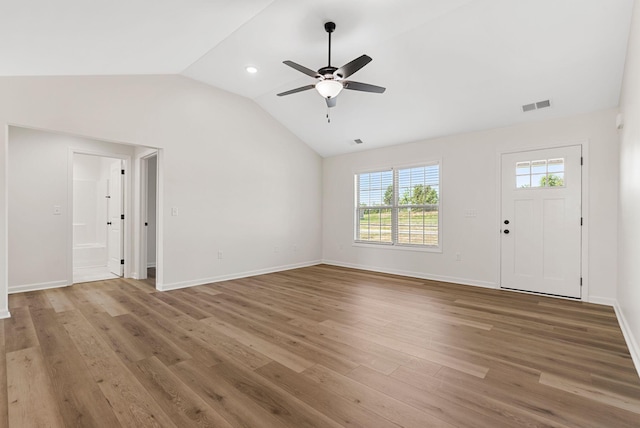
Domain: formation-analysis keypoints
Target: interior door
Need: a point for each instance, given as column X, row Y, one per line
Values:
column 541, row 228
column 115, row 222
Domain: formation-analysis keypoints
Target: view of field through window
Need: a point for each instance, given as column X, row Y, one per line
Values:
column 399, row 206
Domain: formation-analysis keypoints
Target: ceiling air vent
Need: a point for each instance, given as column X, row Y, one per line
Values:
column 536, row 106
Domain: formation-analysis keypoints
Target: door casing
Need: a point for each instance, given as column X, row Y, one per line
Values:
column 585, row 204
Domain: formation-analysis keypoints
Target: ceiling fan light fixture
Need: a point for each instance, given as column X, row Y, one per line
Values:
column 329, row 88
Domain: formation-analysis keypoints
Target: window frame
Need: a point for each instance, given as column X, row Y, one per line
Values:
column 395, row 208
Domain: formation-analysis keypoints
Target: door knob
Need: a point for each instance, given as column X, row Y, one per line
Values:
column 506, row 231
column 506, row 222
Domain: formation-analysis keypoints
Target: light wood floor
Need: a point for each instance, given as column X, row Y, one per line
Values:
column 314, row 347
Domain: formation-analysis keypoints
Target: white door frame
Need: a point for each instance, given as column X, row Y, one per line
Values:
column 585, row 212
column 141, row 209
column 127, row 209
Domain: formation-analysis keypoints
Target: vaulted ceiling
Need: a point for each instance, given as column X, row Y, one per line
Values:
column 449, row 66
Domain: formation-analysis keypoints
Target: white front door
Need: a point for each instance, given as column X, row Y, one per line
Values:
column 115, row 221
column 541, row 229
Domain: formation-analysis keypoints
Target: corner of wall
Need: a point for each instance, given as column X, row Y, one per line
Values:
column 634, row 348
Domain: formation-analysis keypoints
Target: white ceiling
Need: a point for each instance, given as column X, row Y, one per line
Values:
column 449, row 66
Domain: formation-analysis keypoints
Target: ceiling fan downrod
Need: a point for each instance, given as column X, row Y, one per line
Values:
column 329, row 28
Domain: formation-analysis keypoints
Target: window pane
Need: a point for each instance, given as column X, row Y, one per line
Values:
column 416, row 207
column 539, row 167
column 375, row 225
column 556, row 165
column 555, row 180
column 538, row 180
column 543, row 173
column 523, row 168
column 523, row 181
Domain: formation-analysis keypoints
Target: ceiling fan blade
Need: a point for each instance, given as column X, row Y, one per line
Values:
column 302, row 69
column 364, row 87
column 293, row 91
column 351, row 67
column 331, row 102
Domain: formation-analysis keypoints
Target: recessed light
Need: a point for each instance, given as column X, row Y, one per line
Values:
column 251, row 69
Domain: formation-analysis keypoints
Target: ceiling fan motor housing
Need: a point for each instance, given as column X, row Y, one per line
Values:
column 330, row 27
column 327, row 72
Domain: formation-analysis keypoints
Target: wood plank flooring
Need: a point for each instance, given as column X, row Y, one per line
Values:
column 314, row 347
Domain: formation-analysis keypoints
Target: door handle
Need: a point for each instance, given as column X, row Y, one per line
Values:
column 506, row 222
column 506, row 231
column 108, row 223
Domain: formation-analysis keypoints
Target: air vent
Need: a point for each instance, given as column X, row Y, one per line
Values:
column 543, row 104
column 358, row 141
column 536, row 106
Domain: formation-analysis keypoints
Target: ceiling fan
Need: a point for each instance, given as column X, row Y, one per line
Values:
column 331, row 80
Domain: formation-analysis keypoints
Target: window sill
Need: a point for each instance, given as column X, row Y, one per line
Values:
column 397, row 247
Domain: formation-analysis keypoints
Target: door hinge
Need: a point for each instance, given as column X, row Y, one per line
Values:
column 121, row 216
column 581, row 161
column 121, row 261
column 581, row 222
column 580, row 281
column 122, row 171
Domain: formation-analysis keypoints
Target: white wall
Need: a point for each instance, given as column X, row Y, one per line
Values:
column 469, row 173
column 223, row 159
column 152, row 173
column 629, row 226
column 39, row 177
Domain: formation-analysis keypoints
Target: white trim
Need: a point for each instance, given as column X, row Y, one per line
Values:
column 202, row 281
column 5, row 314
column 38, row 286
column 597, row 300
column 127, row 208
column 386, row 246
column 420, row 275
column 394, row 207
column 584, row 170
column 150, row 265
column 634, row 349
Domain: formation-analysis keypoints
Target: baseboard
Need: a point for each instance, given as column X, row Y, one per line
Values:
column 421, row 275
column 601, row 301
column 202, row 281
column 36, row 287
column 634, row 349
column 4, row 314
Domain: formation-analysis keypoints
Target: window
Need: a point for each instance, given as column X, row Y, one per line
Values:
column 399, row 206
column 540, row 173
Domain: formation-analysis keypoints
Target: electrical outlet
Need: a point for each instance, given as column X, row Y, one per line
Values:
column 57, row 210
column 174, row 211
column 458, row 257
column 219, row 255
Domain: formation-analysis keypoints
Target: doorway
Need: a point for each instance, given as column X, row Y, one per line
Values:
column 541, row 223
column 149, row 171
column 98, row 217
